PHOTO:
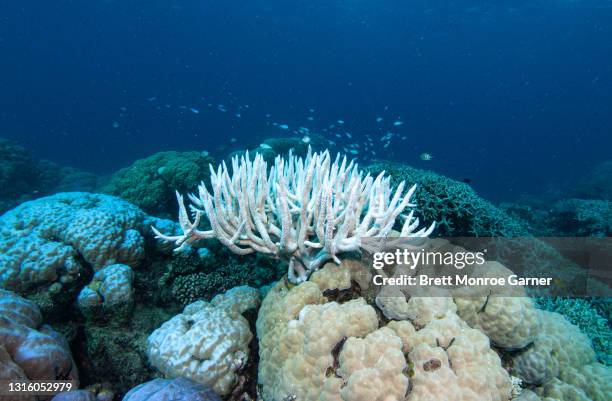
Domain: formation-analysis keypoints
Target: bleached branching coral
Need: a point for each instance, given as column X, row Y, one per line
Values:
column 306, row 211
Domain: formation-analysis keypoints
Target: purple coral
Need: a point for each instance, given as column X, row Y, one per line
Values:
column 28, row 349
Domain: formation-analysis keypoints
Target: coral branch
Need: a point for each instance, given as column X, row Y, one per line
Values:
column 306, row 211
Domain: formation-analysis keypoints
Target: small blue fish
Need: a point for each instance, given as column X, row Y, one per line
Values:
column 194, row 111
column 340, row 122
column 283, row 126
column 397, row 123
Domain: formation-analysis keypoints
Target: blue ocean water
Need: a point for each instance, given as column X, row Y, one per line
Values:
column 514, row 95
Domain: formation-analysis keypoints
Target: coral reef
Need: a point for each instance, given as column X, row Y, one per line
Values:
column 150, row 183
column 581, row 218
column 454, row 206
column 117, row 355
column 306, row 211
column 23, row 178
column 179, row 389
column 208, row 342
column 30, row 350
column 597, row 184
column 323, row 332
column 18, row 174
column 565, row 217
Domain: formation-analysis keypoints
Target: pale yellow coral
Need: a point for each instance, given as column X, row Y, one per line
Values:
column 510, row 322
column 453, row 361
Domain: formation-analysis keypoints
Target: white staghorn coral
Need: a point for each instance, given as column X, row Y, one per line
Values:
column 303, row 210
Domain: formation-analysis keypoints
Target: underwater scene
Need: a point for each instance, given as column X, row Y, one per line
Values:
column 340, row 200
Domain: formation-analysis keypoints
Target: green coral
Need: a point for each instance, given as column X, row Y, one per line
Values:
column 586, row 315
column 151, row 183
column 455, row 206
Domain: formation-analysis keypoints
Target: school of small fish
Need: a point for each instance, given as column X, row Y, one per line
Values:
column 388, row 131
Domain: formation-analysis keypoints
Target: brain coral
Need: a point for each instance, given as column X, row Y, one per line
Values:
column 151, row 183
column 29, row 349
column 53, row 241
column 208, row 344
column 454, row 206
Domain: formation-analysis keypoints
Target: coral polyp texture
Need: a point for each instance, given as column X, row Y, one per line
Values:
column 312, row 347
column 53, row 242
column 109, row 291
column 306, row 211
column 150, row 183
column 208, row 342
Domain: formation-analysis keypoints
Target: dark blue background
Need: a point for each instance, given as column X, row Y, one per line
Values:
column 516, row 95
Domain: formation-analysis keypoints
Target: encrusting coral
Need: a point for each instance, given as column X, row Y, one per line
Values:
column 306, row 211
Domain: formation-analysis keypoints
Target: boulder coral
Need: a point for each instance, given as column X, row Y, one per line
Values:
column 314, row 347
column 52, row 244
column 208, row 342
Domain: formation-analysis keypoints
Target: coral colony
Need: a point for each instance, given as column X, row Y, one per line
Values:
column 306, row 211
